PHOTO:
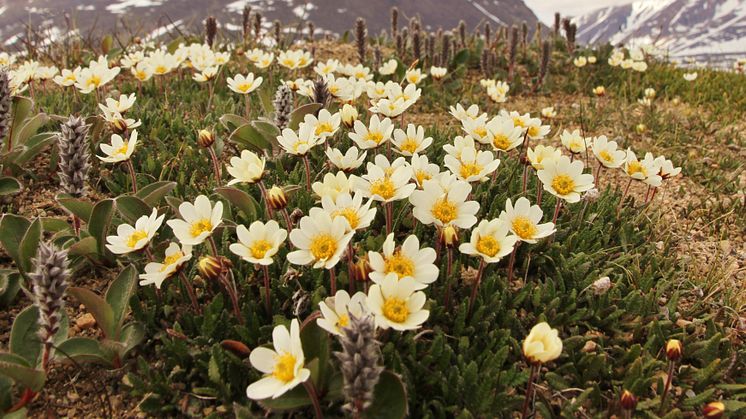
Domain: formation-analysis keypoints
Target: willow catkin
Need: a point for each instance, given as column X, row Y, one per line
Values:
column 246, row 23
column 361, row 39
column 49, row 283
column 283, row 104
column 359, row 362
column 211, row 30
column 74, row 156
column 5, row 102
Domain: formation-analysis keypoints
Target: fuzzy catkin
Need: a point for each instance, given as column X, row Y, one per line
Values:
column 246, row 22
column 311, row 30
column 361, row 35
column 394, row 21
column 5, row 98
column 283, row 106
column 257, row 25
column 74, row 156
column 277, row 30
column 49, row 282
column 462, row 33
column 211, row 29
column 556, row 23
column 321, row 93
column 359, row 362
column 445, row 49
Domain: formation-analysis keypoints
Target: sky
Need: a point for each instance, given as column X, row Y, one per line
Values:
column 545, row 9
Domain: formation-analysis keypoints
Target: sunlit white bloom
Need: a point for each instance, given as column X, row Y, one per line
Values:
column 259, row 243
column 264, row 60
column 548, row 112
column 132, row 59
column 503, row 135
column 249, row 168
column 320, row 239
column 573, row 141
column 436, row 205
column 336, row 311
column 360, row 73
column 198, row 221
column 143, row 71
column 405, row 261
column 129, row 239
column 45, row 73
column 461, row 114
column 388, row 68
column 294, row 59
column 205, row 75
column 592, row 59
column 473, row 165
column 541, row 154
column 119, row 121
column 376, row 133
column 649, row 93
column 524, row 220
column 119, row 149
column 340, row 87
column 121, row 105
column 640, row 66
column 244, row 84
column 690, row 76
column 459, row 144
column 422, row 169
column 298, row 143
column 90, row 79
column 599, row 91
column 438, row 72
column 161, row 62
column 384, row 182
column 7, row 60
column 359, row 215
column 325, row 125
column 396, row 304
column 326, row 68
column 487, row 83
column 67, row 77
column 643, row 170
column 332, row 185
column 607, row 152
column 616, row 58
column 349, row 115
column 412, row 141
column 535, row 130
column 489, row 240
column 282, row 366
column 542, row 344
column 347, row 162
column 389, row 108
column 580, row 62
column 565, row 179
column 665, row 167
column 498, row 92
column 174, row 258
column 477, row 129
column 647, row 102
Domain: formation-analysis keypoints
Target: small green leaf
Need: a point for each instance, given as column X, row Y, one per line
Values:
column 132, row 207
column 296, row 117
column 11, row 228
column 99, row 223
column 315, row 341
column 293, row 399
column 29, row 246
column 132, row 335
column 24, row 334
column 21, row 372
column 119, row 293
column 9, row 185
column 84, row 247
column 250, row 138
column 84, row 350
column 78, row 207
column 231, row 121
column 389, row 398
column 154, row 192
column 240, row 199
column 10, row 284
column 21, row 109
column 98, row 307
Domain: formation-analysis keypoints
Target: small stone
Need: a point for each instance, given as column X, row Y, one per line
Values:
column 86, row 321
column 683, row 323
column 601, row 285
column 590, row 346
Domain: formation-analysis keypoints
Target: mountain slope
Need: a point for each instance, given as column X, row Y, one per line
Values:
column 334, row 16
column 685, row 28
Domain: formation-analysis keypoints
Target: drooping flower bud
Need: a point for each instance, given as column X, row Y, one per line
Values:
column 349, row 115
column 448, row 236
column 673, row 350
column 628, row 400
column 210, row 267
column 713, row 410
column 361, row 269
column 276, row 198
column 205, row 138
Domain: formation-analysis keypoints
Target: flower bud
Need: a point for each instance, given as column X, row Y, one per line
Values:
column 449, row 236
column 212, row 267
column 205, row 138
column 119, row 126
column 599, row 91
column 361, row 269
column 640, row 128
column 349, row 115
column 542, row 344
column 713, row 410
column 673, row 350
column 276, row 198
column 628, row 400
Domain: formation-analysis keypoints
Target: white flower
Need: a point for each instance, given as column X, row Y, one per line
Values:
column 407, row 261
column 351, row 208
column 477, row 129
column 573, row 141
column 422, row 169
column 640, row 66
column 244, row 84
column 523, row 220
column 384, row 182
column 396, row 304
column 565, row 179
column 462, row 114
column 438, row 72
column 205, row 75
column 665, row 167
column 540, row 154
column 67, row 77
column 489, row 240
column 294, row 59
column 459, row 145
column 91, row 78
column 130, row 239
column 473, row 166
column 580, row 62
column 336, row 311
column 535, row 130
column 376, row 133
column 607, row 152
column 118, row 150
column 264, row 60
column 389, row 108
column 503, row 135
column 388, row 68
column 282, row 366
column 320, row 240
column 690, row 76
column 121, row 105
column 332, row 185
column 542, row 344
column 199, row 221
column 301, row 143
column 174, row 258
column 142, row 71
column 326, row 68
column 414, row 76
column 326, row 125
column 548, row 112
column 249, row 168
column 259, row 243
column 436, row 205
column 349, row 161
column 411, row 142
column 644, row 170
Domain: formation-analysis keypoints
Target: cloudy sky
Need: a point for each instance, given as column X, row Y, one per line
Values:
column 545, row 9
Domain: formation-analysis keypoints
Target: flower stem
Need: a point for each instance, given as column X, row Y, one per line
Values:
column 511, row 264
column 311, row 390
column 265, row 195
column 248, row 106
column 557, row 207
column 449, row 266
column 624, row 195
column 131, row 170
column 267, row 301
column 669, row 378
column 190, row 291
column 307, row 164
column 286, row 216
column 475, row 288
column 539, row 190
column 350, row 263
column 333, row 278
column 389, row 213
column 529, row 390
column 215, row 164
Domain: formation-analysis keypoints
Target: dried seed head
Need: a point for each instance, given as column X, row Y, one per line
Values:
column 445, row 49
column 257, row 25
column 283, row 104
column 277, row 30
column 211, row 29
column 417, row 45
column 487, row 33
column 311, row 30
column 462, row 33
column 74, row 156
column 394, row 21
column 359, row 362
column 49, row 282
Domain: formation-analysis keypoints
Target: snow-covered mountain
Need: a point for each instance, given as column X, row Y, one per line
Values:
column 51, row 18
column 710, row 30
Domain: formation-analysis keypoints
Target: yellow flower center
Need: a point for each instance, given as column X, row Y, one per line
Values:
column 141, row 75
column 135, row 237
column 444, row 210
column 122, row 149
column 202, row 226
column 297, row 145
column 324, row 128
column 409, row 145
column 636, row 167
column 288, row 62
column 284, row 367
column 323, row 246
column 343, row 321
column 94, row 81
column 523, row 227
column 260, row 248
column 518, row 122
column 480, row 131
column 399, row 264
column 350, row 214
column 563, row 184
column 395, row 309
column 470, row 169
column 605, row 156
column 170, row 260
column 161, row 69
column 487, row 245
column 501, row 142
column 383, row 188
column 422, row 176
column 376, row 136
column 245, row 87
column 533, row 131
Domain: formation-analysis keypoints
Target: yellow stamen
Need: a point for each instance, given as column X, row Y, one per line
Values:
column 400, row 265
column 409, row 145
column 323, row 247
column 284, row 367
column 395, row 309
column 487, row 245
column 444, row 210
column 259, row 248
column 135, row 237
column 501, row 142
column 350, row 214
column 470, row 169
column 202, row 226
column 383, row 187
column 523, row 227
column 563, row 184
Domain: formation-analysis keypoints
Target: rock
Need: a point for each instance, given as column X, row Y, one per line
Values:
column 590, row 346
column 86, row 321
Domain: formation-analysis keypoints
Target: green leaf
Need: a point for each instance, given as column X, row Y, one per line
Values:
column 231, row 121
column 84, row 350
column 293, row 399
column 21, row 109
column 84, row 247
column 389, row 398
column 265, row 98
column 11, row 228
column 34, row 146
column 460, row 58
column 21, row 372
column 250, row 138
column 10, row 284
column 99, row 223
column 98, row 307
column 119, row 293
column 315, row 341
column 132, row 335
column 132, row 207
column 296, row 117
column 24, row 335
column 29, row 246
column 29, row 128
column 9, row 185
column 240, row 199
column 154, row 192
column 267, row 129
column 78, row 207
